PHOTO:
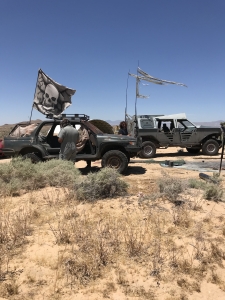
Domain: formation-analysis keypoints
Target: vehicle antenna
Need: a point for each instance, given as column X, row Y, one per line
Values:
column 126, row 97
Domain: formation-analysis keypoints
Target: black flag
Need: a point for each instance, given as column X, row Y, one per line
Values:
column 51, row 98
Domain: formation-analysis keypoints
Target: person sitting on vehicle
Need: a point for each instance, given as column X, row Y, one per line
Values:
column 165, row 128
column 83, row 138
column 123, row 128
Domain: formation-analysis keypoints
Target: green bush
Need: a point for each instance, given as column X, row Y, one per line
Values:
column 57, row 173
column 197, row 184
column 106, row 183
column 20, row 174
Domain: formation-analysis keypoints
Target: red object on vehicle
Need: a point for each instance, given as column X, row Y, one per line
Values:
column 1, row 147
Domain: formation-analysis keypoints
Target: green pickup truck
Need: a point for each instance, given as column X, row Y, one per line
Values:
column 40, row 143
column 163, row 131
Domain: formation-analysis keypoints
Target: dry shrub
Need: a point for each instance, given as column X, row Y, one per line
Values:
column 170, row 187
column 213, row 192
column 58, row 173
column 134, row 241
column 104, row 184
column 14, row 227
column 193, row 286
column 216, row 254
column 181, row 216
column 140, row 293
column 20, row 174
column 197, row 184
column 82, row 269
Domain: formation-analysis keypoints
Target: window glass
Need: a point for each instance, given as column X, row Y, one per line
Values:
column 188, row 124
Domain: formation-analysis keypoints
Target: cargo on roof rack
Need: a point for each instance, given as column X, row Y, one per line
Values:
column 74, row 117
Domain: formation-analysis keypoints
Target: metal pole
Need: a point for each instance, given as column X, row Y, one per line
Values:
column 221, row 158
column 126, row 97
column 34, row 96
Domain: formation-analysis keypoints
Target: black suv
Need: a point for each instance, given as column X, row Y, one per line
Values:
column 42, row 143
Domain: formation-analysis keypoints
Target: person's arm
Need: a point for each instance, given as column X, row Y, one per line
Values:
column 60, row 136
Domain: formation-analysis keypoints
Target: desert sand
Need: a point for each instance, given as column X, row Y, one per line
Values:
column 171, row 252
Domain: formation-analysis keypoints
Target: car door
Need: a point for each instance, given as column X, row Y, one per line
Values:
column 187, row 132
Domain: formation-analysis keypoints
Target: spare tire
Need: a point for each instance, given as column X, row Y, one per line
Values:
column 103, row 126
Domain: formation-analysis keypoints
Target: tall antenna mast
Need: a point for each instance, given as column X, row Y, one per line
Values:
column 126, row 96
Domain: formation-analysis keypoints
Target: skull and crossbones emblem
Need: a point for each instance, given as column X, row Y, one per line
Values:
column 50, row 96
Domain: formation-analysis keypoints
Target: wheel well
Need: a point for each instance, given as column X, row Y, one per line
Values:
column 115, row 147
column 30, row 150
column 147, row 139
column 212, row 137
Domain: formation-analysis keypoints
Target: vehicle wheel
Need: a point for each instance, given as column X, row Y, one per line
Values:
column 115, row 159
column 148, row 150
column 193, row 150
column 210, row 147
column 128, row 158
column 33, row 157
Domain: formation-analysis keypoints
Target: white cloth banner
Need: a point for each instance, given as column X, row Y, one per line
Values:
column 51, row 98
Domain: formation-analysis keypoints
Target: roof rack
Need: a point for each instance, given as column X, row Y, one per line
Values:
column 72, row 117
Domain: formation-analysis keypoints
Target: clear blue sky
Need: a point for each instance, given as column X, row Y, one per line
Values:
column 91, row 45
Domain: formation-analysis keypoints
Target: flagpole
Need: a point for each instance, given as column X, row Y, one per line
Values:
column 126, row 97
column 137, row 93
column 34, row 96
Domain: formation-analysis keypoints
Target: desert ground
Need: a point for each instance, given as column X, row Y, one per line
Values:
column 141, row 245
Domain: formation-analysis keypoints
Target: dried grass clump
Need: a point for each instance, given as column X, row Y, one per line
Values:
column 104, row 184
column 213, row 192
column 197, row 184
column 20, row 174
column 170, row 187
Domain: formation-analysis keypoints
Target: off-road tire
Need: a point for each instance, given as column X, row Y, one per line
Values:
column 210, row 147
column 33, row 157
column 148, row 150
column 193, row 150
column 115, row 159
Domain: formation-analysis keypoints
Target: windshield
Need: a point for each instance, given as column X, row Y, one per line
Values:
column 186, row 124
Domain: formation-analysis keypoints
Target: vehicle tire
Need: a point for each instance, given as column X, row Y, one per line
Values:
column 33, row 157
column 128, row 159
column 148, row 150
column 115, row 159
column 193, row 150
column 210, row 147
